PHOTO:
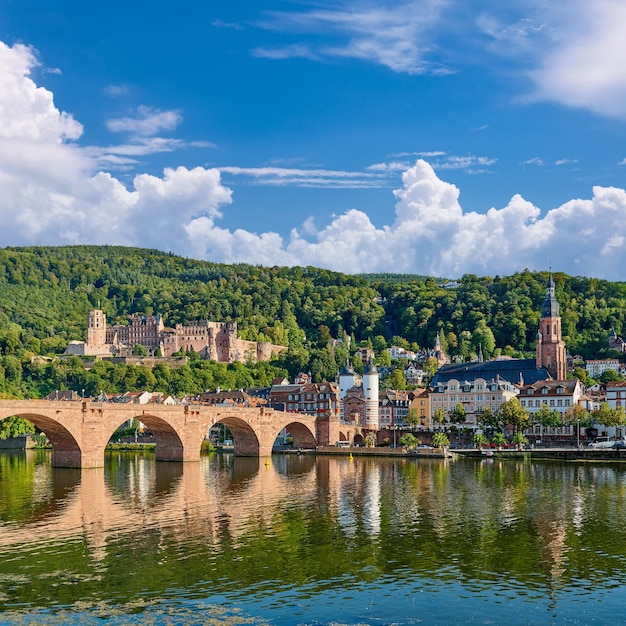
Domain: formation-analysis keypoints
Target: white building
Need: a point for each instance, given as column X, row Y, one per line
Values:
column 596, row 367
column 474, row 395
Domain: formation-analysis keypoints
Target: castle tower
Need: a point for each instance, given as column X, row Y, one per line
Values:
column 347, row 380
column 370, row 390
column 96, row 328
column 550, row 346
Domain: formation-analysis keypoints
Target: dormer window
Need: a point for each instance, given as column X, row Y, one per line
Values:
column 544, row 391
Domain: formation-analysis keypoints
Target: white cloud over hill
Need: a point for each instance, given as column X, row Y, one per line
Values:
column 53, row 192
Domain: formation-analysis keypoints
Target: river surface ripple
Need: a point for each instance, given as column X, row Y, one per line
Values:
column 308, row 540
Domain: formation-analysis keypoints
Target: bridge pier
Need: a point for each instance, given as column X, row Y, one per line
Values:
column 77, row 459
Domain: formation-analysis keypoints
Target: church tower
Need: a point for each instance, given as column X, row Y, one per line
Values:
column 550, row 346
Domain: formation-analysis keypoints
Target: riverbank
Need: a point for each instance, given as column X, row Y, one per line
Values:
column 433, row 453
column 549, row 454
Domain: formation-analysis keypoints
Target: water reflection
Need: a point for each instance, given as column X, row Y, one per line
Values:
column 305, row 531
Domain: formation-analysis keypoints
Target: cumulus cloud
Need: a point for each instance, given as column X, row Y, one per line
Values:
column 54, row 192
column 431, row 234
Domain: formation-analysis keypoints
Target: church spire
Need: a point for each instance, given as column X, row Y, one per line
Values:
column 550, row 346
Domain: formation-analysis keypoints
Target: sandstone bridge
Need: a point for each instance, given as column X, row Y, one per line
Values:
column 80, row 431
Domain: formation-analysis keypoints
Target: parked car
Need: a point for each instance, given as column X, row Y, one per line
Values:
column 606, row 443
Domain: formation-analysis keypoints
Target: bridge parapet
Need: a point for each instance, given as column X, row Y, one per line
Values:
column 80, row 430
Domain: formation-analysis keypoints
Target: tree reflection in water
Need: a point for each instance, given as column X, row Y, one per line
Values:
column 325, row 532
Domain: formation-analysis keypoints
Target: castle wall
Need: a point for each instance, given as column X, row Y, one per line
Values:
column 214, row 341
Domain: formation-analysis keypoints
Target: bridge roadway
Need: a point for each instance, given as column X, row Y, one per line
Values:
column 79, row 431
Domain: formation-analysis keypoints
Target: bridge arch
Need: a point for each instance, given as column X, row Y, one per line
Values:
column 66, row 452
column 302, row 435
column 245, row 439
column 168, row 444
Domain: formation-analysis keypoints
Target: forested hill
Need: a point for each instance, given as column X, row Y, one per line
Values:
column 46, row 292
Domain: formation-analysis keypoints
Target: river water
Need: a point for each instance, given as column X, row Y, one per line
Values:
column 311, row 540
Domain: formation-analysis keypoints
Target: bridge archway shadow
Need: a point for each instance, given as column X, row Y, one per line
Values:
column 245, row 441
column 168, row 445
column 302, row 436
column 65, row 449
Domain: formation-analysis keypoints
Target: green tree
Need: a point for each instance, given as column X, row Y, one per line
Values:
column 370, row 440
column 440, row 440
column 520, row 439
column 409, row 440
column 499, row 439
column 582, row 375
column 609, row 376
column 431, row 365
column 513, row 413
column 607, row 415
column 14, row 427
column 139, row 350
column 482, row 338
column 577, row 414
column 397, row 379
column 383, row 359
column 413, row 417
column 490, row 421
column 479, row 440
column 439, row 416
column 458, row 415
column 547, row 417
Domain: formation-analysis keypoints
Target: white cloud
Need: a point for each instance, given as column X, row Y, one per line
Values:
column 146, row 123
column 28, row 111
column 54, row 193
column 432, row 234
column 286, row 52
column 394, row 36
column 571, row 50
column 299, row 177
column 583, row 67
column 534, row 161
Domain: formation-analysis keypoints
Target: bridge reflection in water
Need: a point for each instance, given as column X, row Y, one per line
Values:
column 316, row 532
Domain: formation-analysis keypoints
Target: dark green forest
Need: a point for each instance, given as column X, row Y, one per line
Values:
column 46, row 293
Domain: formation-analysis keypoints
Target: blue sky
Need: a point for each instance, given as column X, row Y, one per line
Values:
column 435, row 136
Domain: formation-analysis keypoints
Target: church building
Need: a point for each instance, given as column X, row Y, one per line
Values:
column 550, row 347
column 549, row 362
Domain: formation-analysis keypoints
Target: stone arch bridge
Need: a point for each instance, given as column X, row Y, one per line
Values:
column 80, row 431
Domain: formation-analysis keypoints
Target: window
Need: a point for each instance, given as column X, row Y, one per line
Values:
column 559, row 390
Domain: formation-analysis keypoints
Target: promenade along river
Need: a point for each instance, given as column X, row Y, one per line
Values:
column 306, row 540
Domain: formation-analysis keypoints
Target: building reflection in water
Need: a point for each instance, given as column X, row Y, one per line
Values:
column 476, row 521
